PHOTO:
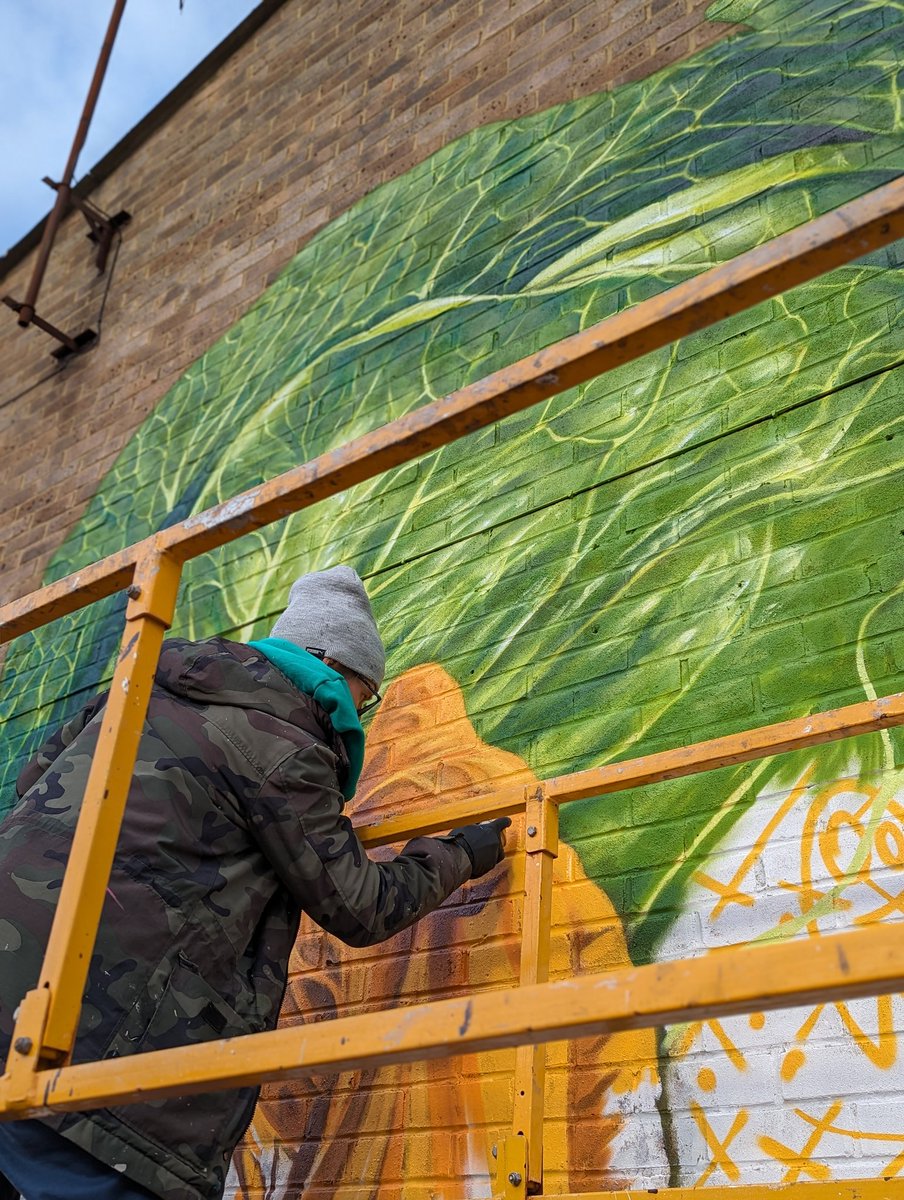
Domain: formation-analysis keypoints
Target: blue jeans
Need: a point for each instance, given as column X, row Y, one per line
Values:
column 43, row 1165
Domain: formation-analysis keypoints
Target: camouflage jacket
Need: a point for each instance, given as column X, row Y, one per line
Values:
column 233, row 828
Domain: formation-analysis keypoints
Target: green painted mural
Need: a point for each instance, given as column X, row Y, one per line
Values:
column 705, row 540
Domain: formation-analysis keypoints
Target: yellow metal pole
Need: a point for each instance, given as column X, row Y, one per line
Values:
column 852, row 1189
column 781, row 738
column 541, row 849
column 17, row 1084
column 511, row 1168
column 869, row 962
column 416, row 822
column 152, row 599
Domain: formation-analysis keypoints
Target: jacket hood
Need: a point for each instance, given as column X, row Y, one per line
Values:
column 218, row 671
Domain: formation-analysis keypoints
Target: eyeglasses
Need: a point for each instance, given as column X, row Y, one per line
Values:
column 374, row 700
column 375, row 695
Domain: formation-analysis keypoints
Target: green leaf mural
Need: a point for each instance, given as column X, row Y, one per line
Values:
column 704, row 540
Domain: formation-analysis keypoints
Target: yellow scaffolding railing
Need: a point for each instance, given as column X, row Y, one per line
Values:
column 38, row 1076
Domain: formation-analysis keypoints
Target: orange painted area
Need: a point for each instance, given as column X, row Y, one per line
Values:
column 802, row 1163
column 325, row 1136
column 792, row 1063
column 706, row 1079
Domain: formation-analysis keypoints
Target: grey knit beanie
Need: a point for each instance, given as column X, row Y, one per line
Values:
column 330, row 611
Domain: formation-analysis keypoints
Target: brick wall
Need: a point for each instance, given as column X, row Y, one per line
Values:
column 705, row 540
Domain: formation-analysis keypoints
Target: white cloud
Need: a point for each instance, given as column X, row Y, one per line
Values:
column 48, row 51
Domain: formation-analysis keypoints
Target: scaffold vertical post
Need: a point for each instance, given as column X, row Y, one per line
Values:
column 48, row 1029
column 511, row 1168
column 17, row 1083
column 541, row 834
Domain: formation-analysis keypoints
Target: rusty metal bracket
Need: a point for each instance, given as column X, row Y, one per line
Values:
column 101, row 226
column 102, row 229
column 68, row 344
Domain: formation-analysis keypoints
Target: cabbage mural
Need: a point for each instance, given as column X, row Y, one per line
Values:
column 704, row 540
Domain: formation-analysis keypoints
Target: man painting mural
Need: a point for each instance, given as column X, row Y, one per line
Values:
column 427, row 1127
column 234, row 826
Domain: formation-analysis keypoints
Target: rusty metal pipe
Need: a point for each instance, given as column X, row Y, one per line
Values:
column 64, row 189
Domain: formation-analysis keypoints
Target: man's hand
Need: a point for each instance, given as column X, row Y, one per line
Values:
column 484, row 844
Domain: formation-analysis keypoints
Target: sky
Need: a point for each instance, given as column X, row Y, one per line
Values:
column 48, row 52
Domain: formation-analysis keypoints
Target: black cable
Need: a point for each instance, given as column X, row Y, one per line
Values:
column 103, row 299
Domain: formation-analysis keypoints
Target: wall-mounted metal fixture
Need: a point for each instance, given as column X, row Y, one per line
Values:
column 102, row 228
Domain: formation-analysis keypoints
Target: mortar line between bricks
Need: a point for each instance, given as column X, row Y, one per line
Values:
column 646, row 466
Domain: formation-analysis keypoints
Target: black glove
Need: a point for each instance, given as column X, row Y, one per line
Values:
column 482, row 843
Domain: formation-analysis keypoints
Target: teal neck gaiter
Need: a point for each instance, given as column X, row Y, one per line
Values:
column 331, row 691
